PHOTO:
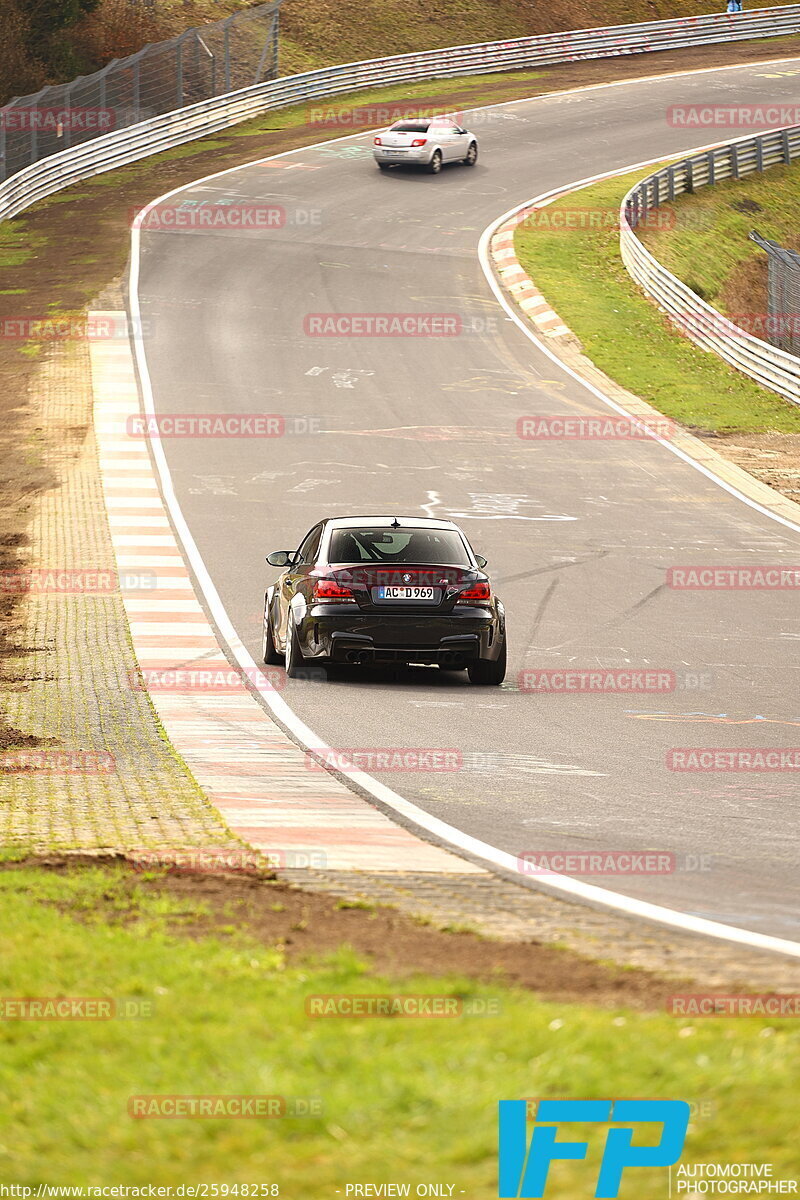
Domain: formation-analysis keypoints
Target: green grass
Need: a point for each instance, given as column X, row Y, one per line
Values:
column 17, row 244
column 403, row 1099
column 708, row 245
column 581, row 274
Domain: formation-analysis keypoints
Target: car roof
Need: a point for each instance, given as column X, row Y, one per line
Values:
column 404, row 522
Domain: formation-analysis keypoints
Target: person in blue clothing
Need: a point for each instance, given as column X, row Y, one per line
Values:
column 734, row 6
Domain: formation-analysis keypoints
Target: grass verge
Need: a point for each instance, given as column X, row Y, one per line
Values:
column 580, row 271
column 706, row 244
column 401, row 1099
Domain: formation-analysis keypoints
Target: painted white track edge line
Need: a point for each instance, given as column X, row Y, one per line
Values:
column 560, row 885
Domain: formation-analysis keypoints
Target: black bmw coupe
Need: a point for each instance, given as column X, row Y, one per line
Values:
column 384, row 590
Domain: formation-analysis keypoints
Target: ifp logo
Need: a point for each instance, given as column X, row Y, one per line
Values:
column 524, row 1168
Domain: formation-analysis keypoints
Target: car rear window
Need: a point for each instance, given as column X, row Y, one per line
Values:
column 443, row 547
column 411, row 127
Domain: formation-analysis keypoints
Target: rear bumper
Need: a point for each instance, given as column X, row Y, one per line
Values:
column 416, row 157
column 347, row 636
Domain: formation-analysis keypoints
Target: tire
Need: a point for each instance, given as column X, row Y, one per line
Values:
column 450, row 667
column 383, row 166
column 472, row 155
column 435, row 165
column 489, row 672
column 269, row 654
column 293, row 657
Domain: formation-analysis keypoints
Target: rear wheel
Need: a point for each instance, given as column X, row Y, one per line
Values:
column 383, row 166
column 293, row 658
column 489, row 671
column 269, row 654
column 435, row 165
column 472, row 155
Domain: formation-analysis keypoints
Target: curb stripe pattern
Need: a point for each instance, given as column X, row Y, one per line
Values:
column 253, row 773
column 518, row 283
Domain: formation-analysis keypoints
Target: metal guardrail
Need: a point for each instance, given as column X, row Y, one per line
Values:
column 110, row 150
column 206, row 61
column 770, row 366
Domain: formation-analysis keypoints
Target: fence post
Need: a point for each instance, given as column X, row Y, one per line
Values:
column 787, row 150
column 759, row 154
column 68, row 110
column 136, row 93
column 734, row 161
column 671, row 182
column 179, row 71
column 711, row 168
column 689, row 176
column 227, row 40
column 276, row 17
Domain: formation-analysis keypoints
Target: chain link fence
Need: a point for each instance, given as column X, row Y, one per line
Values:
column 783, row 295
column 206, row 61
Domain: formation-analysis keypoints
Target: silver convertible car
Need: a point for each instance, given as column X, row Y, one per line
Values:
column 425, row 143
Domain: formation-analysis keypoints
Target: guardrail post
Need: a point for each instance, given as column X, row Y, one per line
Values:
column 68, row 110
column 711, row 168
column 759, row 154
column 689, row 176
column 734, row 161
column 787, row 150
column 671, row 182
column 2, row 146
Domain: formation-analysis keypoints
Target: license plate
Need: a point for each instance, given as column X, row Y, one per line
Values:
column 408, row 593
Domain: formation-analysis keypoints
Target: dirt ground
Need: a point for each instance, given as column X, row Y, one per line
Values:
column 310, row 925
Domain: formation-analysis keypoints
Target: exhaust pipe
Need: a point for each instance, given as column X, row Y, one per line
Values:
column 357, row 656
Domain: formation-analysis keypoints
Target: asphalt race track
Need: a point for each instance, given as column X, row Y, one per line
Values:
column 579, row 534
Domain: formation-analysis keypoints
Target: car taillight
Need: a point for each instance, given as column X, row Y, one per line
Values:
column 479, row 593
column 378, row 142
column 419, row 141
column 328, row 591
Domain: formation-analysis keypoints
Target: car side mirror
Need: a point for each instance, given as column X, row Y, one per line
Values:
column 281, row 558
column 481, row 561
